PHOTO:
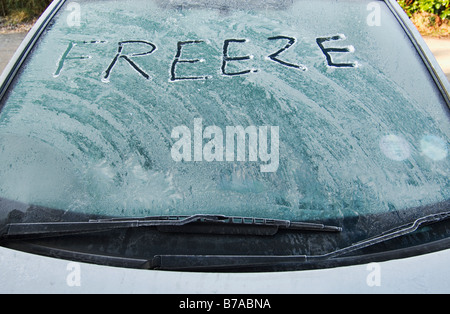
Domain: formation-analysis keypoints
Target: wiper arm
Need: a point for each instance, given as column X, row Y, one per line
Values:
column 211, row 224
column 392, row 234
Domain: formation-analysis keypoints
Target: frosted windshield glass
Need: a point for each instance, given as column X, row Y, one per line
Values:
column 284, row 109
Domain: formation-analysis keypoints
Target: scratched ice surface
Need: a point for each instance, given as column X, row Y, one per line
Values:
column 88, row 127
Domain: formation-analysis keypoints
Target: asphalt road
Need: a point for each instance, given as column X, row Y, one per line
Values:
column 441, row 51
column 440, row 48
column 8, row 45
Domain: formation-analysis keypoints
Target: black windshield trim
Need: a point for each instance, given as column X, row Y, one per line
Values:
column 240, row 263
column 250, row 263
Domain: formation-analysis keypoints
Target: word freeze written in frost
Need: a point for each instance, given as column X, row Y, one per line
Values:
column 209, row 145
column 179, row 64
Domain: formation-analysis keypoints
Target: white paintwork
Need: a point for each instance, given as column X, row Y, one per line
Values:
column 27, row 273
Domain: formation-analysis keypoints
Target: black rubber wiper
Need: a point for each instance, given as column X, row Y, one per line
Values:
column 210, row 224
column 246, row 262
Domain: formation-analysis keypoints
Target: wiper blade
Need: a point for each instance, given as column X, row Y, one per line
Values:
column 225, row 224
column 236, row 262
column 211, row 224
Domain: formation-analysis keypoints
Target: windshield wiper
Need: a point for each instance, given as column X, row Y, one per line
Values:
column 249, row 262
column 210, row 224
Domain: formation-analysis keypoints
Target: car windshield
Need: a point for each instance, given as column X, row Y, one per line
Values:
column 299, row 110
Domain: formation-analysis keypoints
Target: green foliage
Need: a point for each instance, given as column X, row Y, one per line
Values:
column 31, row 8
column 439, row 7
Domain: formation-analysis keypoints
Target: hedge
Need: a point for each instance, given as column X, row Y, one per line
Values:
column 33, row 8
column 439, row 7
